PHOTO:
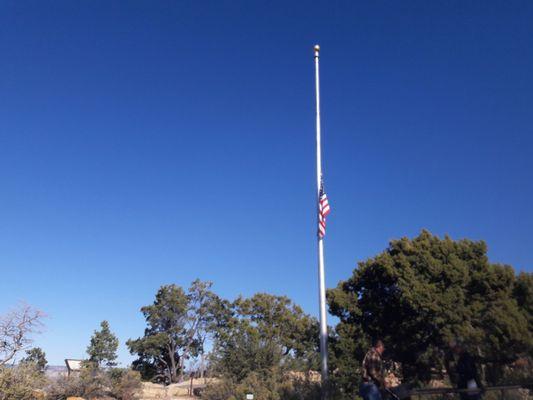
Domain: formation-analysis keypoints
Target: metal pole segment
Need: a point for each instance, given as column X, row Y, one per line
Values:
column 321, row 273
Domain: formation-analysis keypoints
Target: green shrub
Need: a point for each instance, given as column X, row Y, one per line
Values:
column 89, row 383
column 265, row 386
column 93, row 383
column 125, row 383
column 20, row 382
column 63, row 387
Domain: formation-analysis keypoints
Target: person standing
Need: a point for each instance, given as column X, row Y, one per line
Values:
column 373, row 372
column 468, row 376
column 464, row 373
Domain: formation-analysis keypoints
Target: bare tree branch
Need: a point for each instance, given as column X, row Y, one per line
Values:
column 16, row 329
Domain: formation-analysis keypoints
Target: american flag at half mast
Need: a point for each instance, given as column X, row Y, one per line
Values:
column 323, row 211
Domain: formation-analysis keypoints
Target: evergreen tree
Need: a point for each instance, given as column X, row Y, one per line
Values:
column 103, row 347
column 264, row 344
column 178, row 323
column 262, row 335
column 37, row 357
column 420, row 294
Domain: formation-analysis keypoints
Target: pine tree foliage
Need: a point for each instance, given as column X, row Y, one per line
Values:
column 37, row 357
column 420, row 294
column 263, row 333
column 178, row 323
column 103, row 347
column 264, row 345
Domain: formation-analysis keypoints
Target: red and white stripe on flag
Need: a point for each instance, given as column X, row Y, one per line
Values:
column 323, row 211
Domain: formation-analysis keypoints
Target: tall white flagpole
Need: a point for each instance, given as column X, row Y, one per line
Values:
column 321, row 273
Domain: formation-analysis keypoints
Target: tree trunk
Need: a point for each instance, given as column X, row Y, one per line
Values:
column 173, row 367
column 182, row 367
column 202, row 368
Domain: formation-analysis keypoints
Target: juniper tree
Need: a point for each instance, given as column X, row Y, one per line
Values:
column 177, row 325
column 420, row 294
column 37, row 357
column 265, row 334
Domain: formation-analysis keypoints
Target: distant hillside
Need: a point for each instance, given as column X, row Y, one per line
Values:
column 55, row 370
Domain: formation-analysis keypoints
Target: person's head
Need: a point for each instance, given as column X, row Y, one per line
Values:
column 456, row 346
column 378, row 345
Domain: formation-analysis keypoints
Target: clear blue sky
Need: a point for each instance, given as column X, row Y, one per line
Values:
column 154, row 142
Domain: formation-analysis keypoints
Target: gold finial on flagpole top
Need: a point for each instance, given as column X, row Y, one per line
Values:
column 317, row 48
